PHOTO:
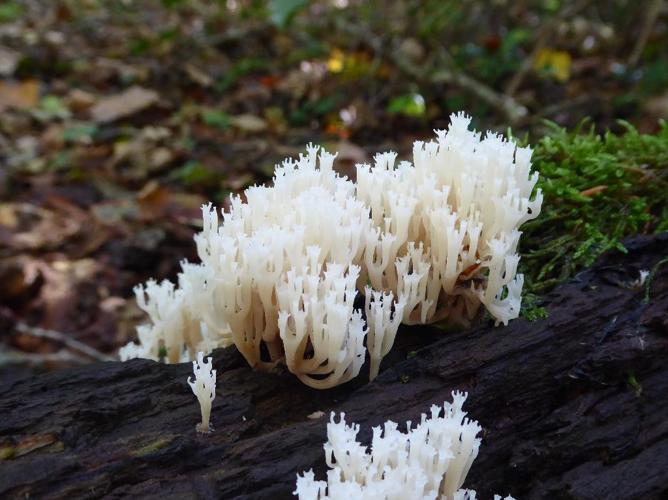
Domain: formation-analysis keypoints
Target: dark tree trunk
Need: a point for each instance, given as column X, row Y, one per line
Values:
column 573, row 406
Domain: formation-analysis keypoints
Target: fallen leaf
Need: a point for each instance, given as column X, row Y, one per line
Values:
column 336, row 61
column 30, row 228
column 9, row 60
column 556, row 63
column 657, row 106
column 412, row 50
column 122, row 105
column 199, row 76
column 80, row 100
column 160, row 157
column 23, row 95
column 20, row 279
column 249, row 123
column 153, row 198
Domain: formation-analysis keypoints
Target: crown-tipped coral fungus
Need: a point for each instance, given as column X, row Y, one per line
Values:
column 424, row 241
column 204, row 387
column 428, row 461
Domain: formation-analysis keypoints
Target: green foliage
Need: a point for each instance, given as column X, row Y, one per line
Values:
column 10, row 11
column 532, row 310
column 80, row 132
column 195, row 174
column 153, row 446
column 171, row 4
column 51, row 107
column 244, row 67
column 598, row 190
column 216, row 118
column 314, row 109
column 654, row 77
column 491, row 65
column 633, row 383
column 650, row 277
column 407, row 105
column 281, row 12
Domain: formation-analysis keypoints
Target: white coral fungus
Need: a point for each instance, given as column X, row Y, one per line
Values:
column 204, row 387
column 432, row 239
column 428, row 461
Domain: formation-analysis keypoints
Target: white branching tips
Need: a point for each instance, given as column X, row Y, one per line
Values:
column 426, row 462
column 430, row 240
column 204, row 387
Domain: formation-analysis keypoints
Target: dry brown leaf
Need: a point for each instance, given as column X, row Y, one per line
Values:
column 20, row 279
column 153, row 198
column 249, row 123
column 23, row 95
column 30, row 228
column 122, row 105
column 79, row 100
column 199, row 76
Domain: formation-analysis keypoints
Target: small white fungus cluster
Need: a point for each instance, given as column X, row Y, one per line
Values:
column 424, row 241
column 429, row 461
column 204, row 387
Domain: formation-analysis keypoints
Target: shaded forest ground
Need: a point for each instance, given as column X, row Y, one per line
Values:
column 119, row 119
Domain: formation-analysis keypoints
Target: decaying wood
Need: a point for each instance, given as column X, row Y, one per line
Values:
column 573, row 406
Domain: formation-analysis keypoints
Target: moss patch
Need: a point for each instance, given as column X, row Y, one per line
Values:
column 598, row 190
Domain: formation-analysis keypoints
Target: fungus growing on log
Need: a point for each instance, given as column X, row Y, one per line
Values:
column 204, row 387
column 424, row 241
column 426, row 462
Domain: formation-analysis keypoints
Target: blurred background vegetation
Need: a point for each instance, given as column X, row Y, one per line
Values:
column 118, row 119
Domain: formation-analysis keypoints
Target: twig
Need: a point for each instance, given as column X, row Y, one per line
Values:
column 647, row 27
column 62, row 356
column 513, row 110
column 67, row 341
column 542, row 38
column 549, row 111
column 508, row 106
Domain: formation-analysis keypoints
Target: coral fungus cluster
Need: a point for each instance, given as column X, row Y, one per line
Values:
column 423, row 241
column 428, row 461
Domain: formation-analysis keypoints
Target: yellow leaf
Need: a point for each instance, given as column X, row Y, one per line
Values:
column 336, row 61
column 23, row 95
column 556, row 63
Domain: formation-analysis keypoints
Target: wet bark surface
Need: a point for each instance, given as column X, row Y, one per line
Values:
column 572, row 406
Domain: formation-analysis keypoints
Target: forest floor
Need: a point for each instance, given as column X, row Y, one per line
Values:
column 118, row 120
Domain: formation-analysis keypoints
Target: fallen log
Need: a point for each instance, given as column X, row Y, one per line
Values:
column 572, row 406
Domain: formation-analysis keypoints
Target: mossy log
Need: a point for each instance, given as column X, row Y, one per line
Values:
column 572, row 406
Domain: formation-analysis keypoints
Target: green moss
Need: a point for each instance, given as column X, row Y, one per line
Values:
column 532, row 310
column 633, row 383
column 650, row 277
column 598, row 190
column 151, row 447
column 7, row 452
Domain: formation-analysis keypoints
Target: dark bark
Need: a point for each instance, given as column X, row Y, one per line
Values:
column 573, row 406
